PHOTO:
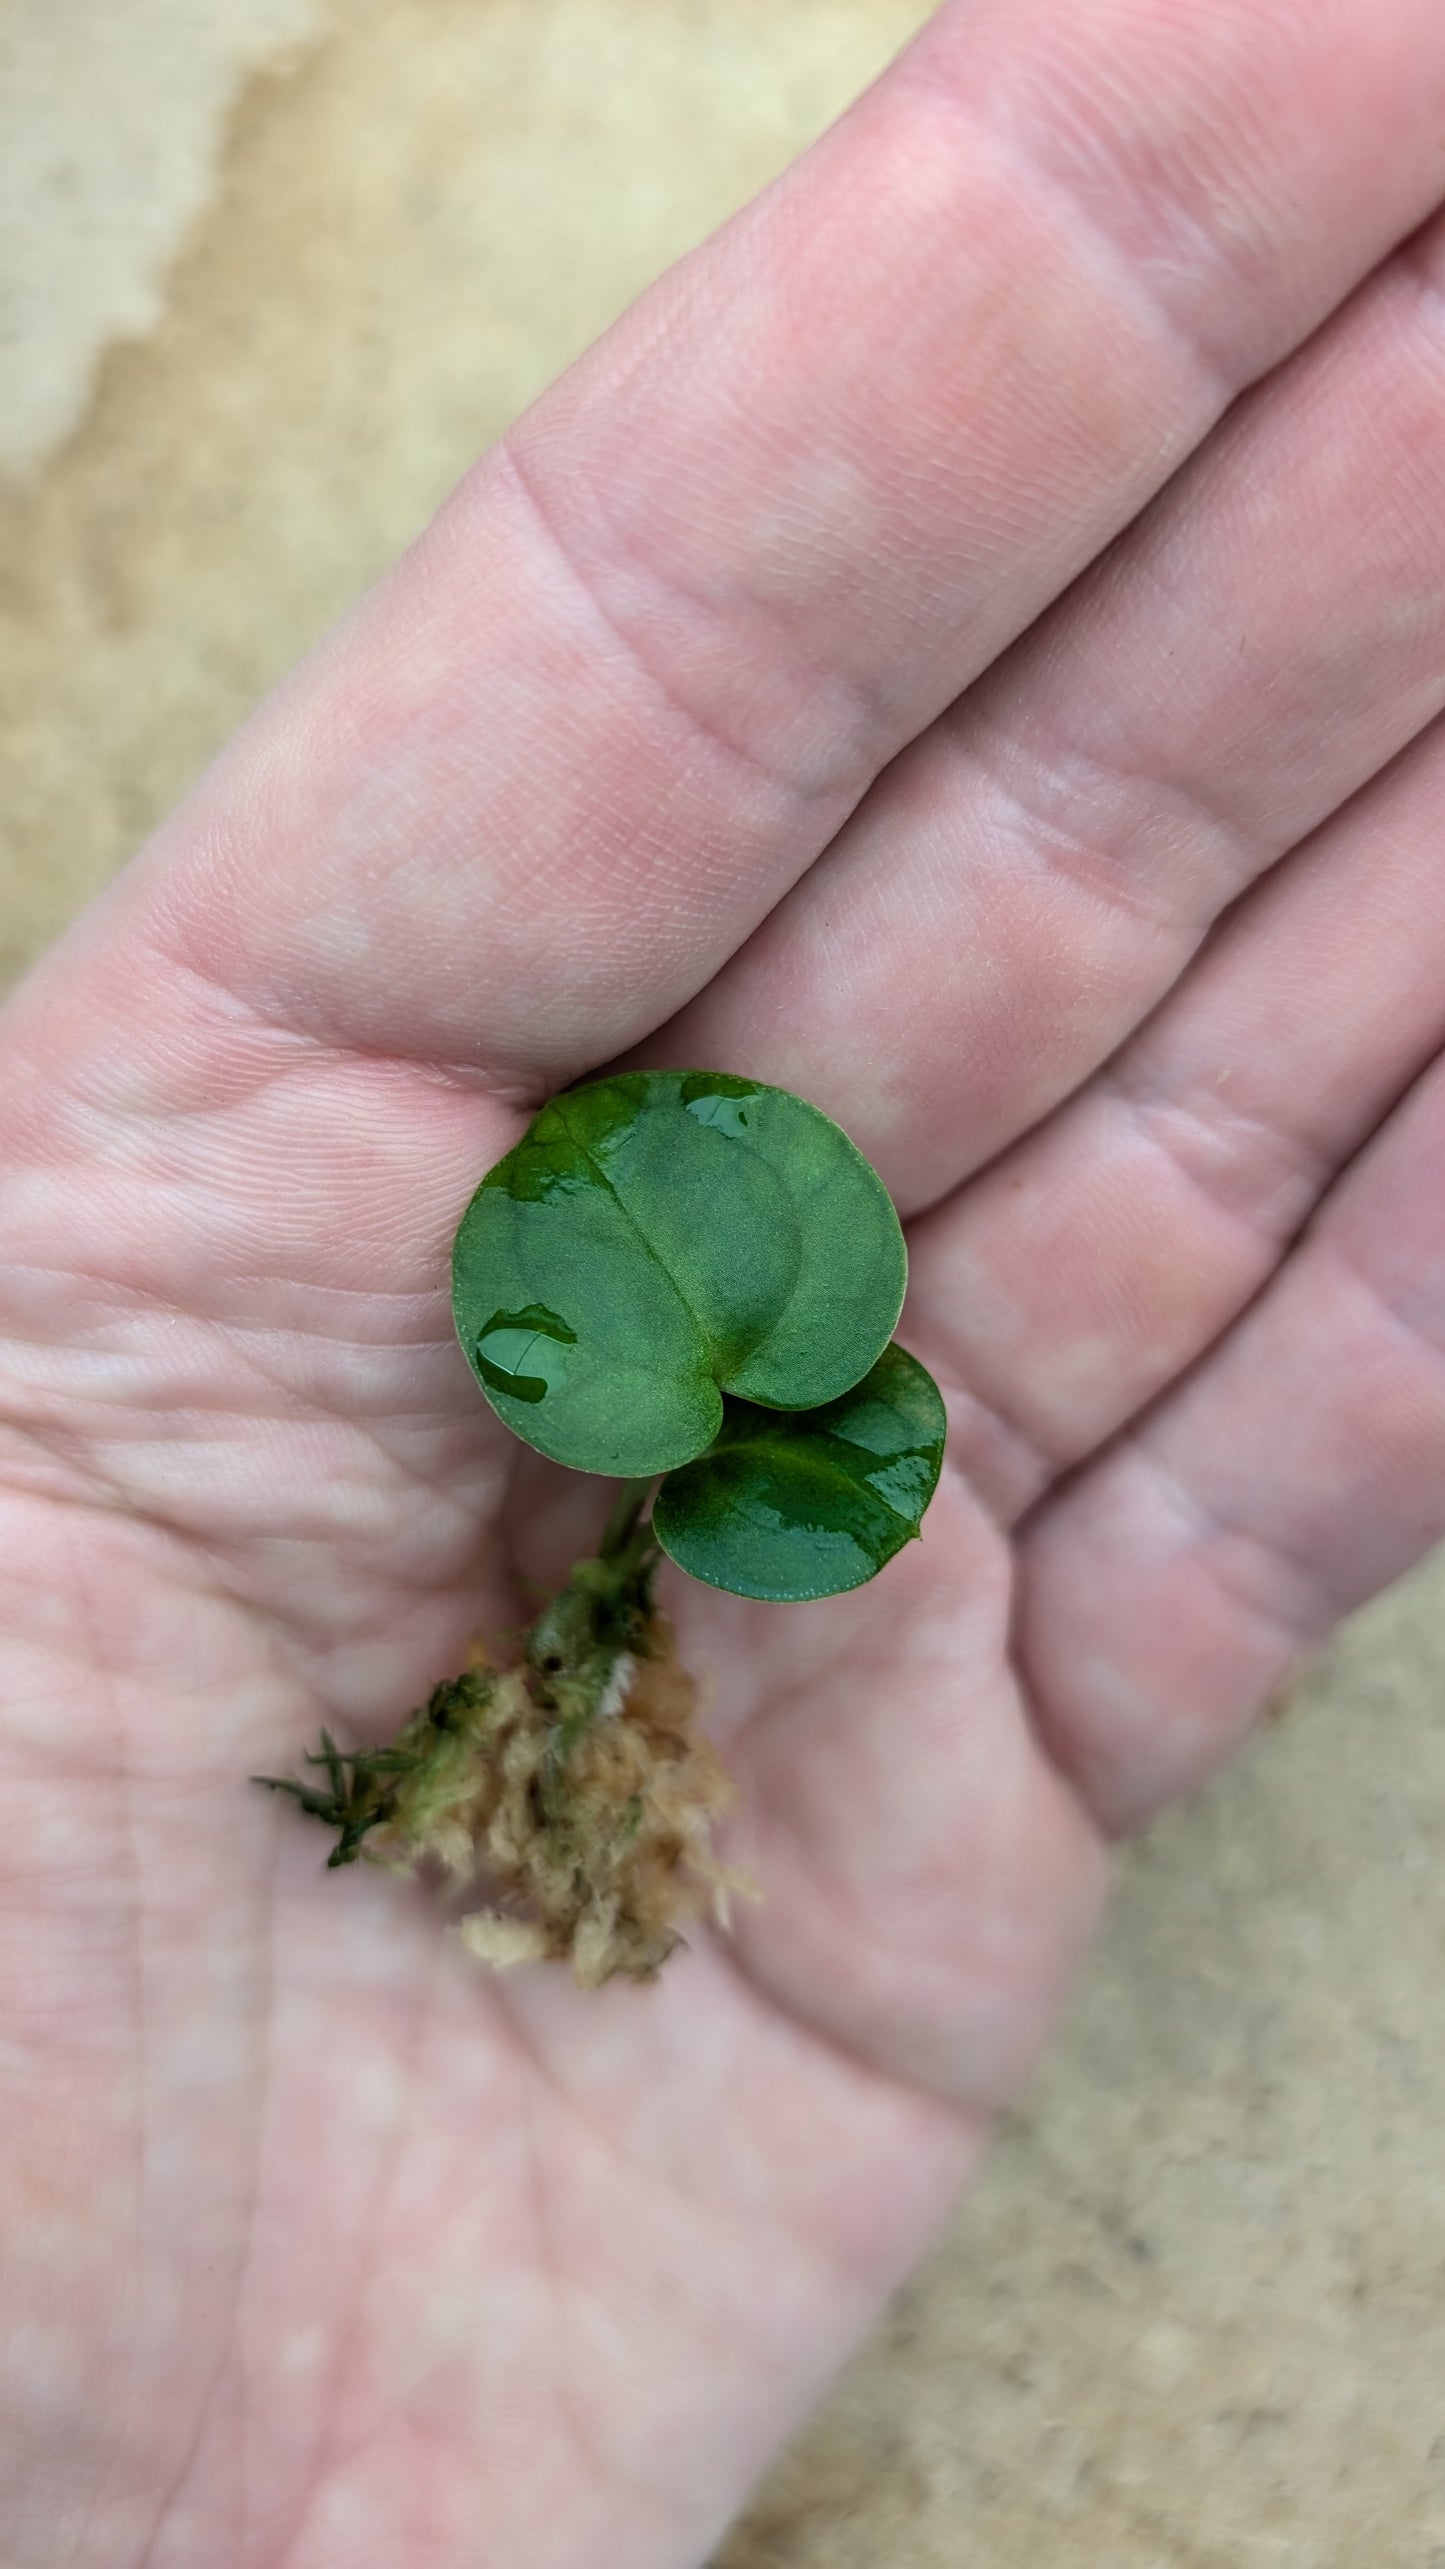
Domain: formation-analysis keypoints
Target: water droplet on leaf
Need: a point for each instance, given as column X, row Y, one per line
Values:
column 723, row 1107
column 524, row 1354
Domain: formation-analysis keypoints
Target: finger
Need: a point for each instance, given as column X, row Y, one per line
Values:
column 1175, row 1584
column 1026, row 882
column 1098, row 1259
column 634, row 678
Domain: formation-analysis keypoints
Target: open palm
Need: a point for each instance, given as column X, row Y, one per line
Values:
column 879, row 669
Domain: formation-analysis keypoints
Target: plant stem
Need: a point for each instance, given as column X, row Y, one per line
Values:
column 627, row 1508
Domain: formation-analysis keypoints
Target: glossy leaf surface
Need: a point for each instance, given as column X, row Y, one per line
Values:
column 660, row 1239
column 791, row 1507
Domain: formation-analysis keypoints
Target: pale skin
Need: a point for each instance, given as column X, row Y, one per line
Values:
column 320, row 2247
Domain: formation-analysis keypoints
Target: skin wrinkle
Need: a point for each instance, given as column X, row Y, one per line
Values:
column 330, row 2452
column 963, row 2121
column 1098, row 854
column 685, row 2196
column 1333, row 1245
column 141, row 2046
column 286, row 1624
column 692, row 2203
column 975, row 2101
column 1035, row 1461
column 181, row 1180
column 1240, row 1565
column 973, row 2108
column 880, row 2177
column 114, row 1497
column 1288, row 1589
column 1422, row 259
column 562, row 2379
column 1217, row 394
column 1411, row 480
column 837, row 792
column 1171, row 162
column 772, row 789
column 121, row 1494
column 246, row 1016
column 1303, row 898
column 102, row 1695
column 1233, row 1541
column 1006, row 1471
column 226, row 2360
column 226, row 2365
column 1216, row 372
column 1024, row 1461
column 1315, row 375
column 1186, row 1130
column 328, row 2474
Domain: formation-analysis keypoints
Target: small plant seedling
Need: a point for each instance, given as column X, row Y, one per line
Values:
column 688, row 1282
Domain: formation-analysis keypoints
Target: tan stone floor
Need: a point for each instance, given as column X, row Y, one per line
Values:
column 270, row 272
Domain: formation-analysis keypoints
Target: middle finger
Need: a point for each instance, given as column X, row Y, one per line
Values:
column 1022, row 886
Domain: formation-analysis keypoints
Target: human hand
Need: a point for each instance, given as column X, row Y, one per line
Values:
column 321, row 2246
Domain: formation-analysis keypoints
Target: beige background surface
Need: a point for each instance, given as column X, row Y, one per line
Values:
column 270, row 272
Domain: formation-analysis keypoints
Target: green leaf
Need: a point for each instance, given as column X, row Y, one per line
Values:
column 663, row 1238
column 785, row 1507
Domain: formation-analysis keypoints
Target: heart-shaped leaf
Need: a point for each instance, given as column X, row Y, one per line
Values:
column 786, row 1507
column 659, row 1239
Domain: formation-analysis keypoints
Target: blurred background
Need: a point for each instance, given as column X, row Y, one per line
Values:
column 271, row 271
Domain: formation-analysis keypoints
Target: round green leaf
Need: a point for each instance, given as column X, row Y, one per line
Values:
column 662, row 1238
column 786, row 1507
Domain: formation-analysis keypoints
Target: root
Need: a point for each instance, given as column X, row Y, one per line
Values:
column 574, row 1790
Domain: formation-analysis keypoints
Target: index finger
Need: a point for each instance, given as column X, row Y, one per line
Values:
column 561, row 762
